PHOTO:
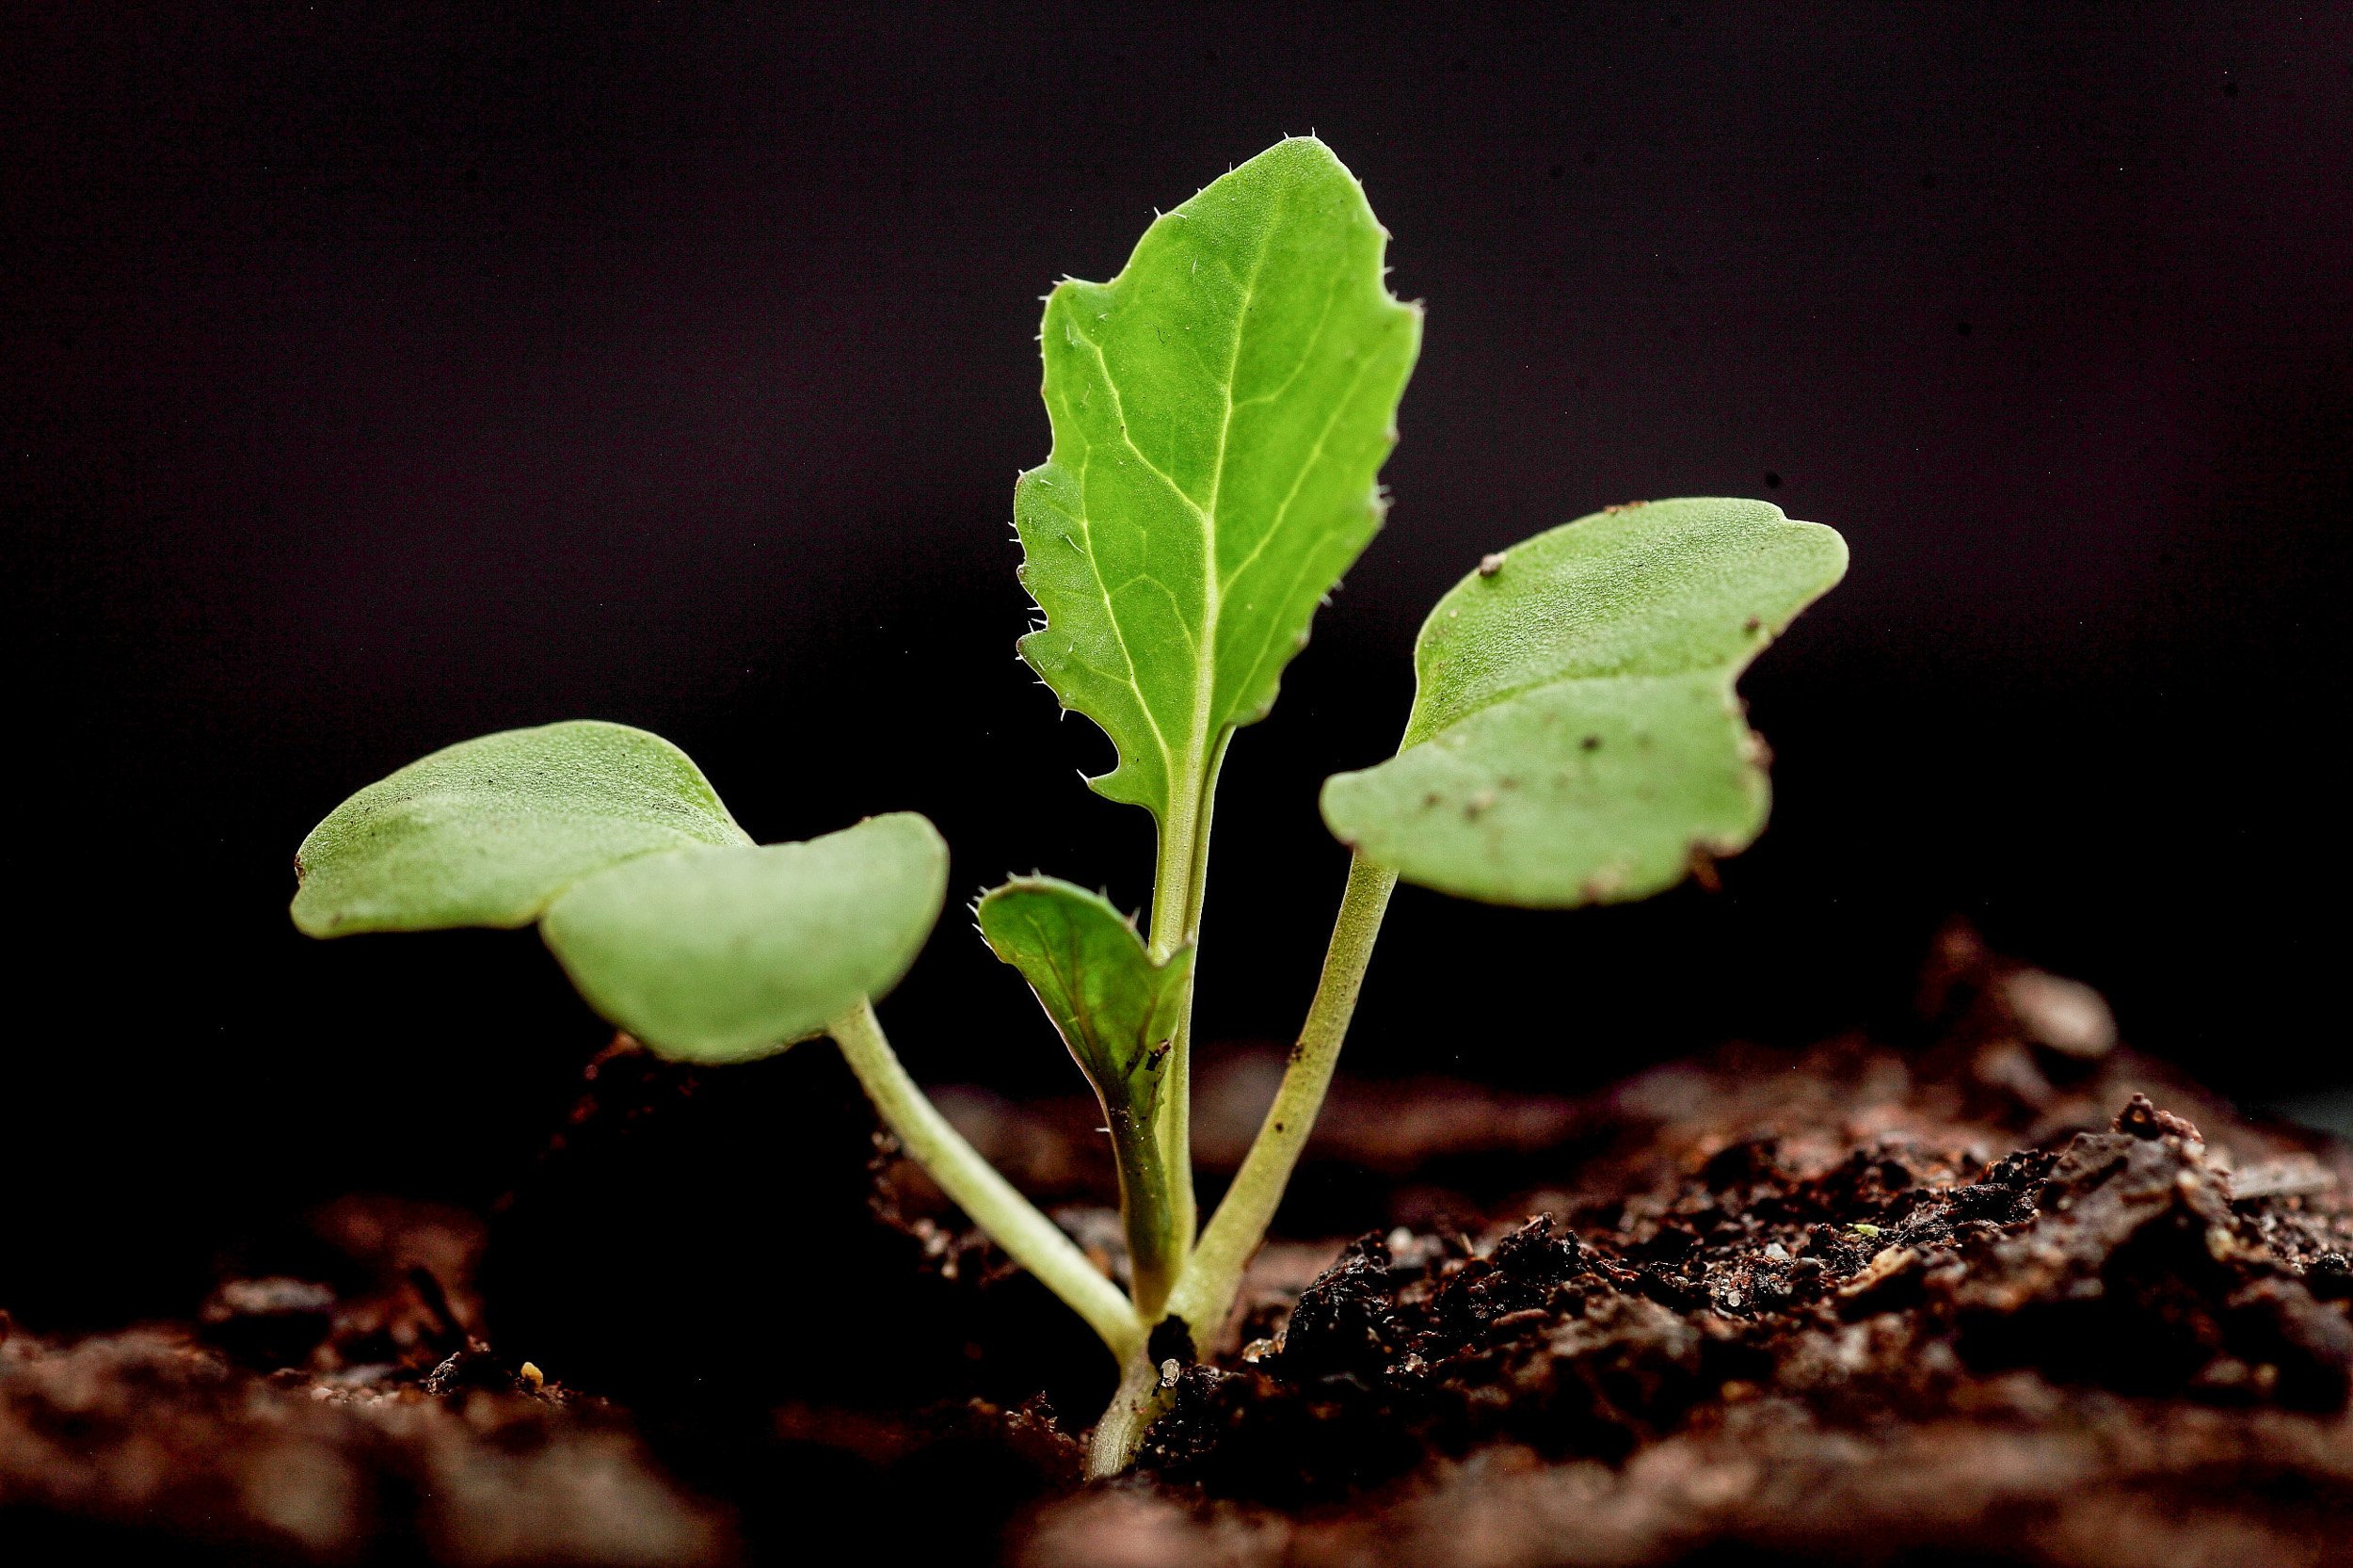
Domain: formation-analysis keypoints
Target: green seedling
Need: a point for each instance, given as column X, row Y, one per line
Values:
column 1220, row 411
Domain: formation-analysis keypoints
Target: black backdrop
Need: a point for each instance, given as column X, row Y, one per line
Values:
column 374, row 376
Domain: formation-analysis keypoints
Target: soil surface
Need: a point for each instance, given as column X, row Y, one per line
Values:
column 2001, row 1292
column 350, row 1415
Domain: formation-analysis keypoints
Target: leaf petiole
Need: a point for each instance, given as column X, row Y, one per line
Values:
column 1205, row 1293
column 1158, row 1238
column 1009, row 1219
column 1180, row 884
column 1212, row 1279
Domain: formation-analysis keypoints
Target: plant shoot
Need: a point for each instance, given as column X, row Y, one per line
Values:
column 1220, row 413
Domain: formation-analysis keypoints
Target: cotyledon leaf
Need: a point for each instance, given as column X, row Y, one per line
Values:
column 1220, row 412
column 1576, row 738
column 1115, row 1008
column 721, row 954
column 486, row 832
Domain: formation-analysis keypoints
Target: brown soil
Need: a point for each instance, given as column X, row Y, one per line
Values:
column 349, row 1418
column 2011, row 1295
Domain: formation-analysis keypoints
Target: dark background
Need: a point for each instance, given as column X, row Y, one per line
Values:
column 374, row 376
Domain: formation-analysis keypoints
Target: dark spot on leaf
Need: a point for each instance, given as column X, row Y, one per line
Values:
column 1751, row 624
column 1590, row 742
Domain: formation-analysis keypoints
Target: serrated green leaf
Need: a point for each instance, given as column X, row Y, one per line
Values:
column 486, row 832
column 1114, row 1007
column 1219, row 412
column 722, row 954
column 1574, row 737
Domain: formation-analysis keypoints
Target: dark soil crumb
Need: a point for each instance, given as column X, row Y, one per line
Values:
column 1856, row 1308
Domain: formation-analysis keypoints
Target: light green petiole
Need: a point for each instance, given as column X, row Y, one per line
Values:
column 1209, row 1277
column 1009, row 1219
column 1205, row 1293
column 1212, row 1279
column 1179, row 883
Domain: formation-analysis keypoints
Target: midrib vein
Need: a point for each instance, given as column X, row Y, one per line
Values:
column 1212, row 585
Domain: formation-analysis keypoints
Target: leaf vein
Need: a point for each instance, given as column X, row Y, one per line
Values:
column 1314, row 456
column 1110, row 611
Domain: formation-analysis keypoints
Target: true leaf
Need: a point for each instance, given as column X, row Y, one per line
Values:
column 1219, row 412
column 1115, row 1008
column 486, row 832
column 1574, row 737
column 720, row 954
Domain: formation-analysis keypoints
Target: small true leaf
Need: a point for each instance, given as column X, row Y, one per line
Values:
column 720, row 954
column 1219, row 412
column 1114, row 1007
column 1574, row 737
column 486, row 832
